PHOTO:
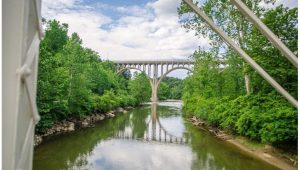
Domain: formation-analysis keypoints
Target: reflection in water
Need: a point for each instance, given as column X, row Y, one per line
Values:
column 155, row 131
column 151, row 137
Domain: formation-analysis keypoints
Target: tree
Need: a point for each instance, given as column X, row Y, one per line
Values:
column 170, row 88
column 73, row 81
column 140, row 87
column 283, row 22
column 226, row 16
column 215, row 91
column 164, row 91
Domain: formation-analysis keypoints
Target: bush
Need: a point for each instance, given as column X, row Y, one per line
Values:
column 267, row 118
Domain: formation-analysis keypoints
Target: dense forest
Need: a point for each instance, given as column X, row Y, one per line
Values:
column 73, row 81
column 225, row 91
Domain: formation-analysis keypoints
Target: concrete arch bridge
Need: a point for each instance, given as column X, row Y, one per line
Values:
column 156, row 70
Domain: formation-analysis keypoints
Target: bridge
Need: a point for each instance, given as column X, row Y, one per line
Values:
column 156, row 70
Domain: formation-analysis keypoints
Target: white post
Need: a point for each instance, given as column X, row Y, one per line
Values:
column 21, row 34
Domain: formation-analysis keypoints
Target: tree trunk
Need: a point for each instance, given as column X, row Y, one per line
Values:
column 247, row 83
column 246, row 75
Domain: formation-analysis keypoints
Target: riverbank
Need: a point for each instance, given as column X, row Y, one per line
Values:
column 72, row 124
column 267, row 153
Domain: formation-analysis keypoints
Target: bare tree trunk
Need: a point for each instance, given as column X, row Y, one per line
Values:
column 246, row 75
column 247, row 83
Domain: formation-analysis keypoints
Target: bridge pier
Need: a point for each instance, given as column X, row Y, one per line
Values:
column 154, row 86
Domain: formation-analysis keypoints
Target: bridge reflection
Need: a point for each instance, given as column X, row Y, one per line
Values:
column 155, row 132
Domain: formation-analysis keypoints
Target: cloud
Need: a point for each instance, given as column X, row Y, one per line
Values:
column 285, row 3
column 165, row 8
column 120, row 154
column 140, row 32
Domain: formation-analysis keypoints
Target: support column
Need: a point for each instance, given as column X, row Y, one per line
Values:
column 153, row 120
column 154, row 84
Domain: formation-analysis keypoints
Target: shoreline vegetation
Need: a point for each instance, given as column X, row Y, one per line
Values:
column 74, row 83
column 73, row 124
column 267, row 153
column 225, row 93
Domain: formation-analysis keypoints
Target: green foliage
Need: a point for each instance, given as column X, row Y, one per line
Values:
column 73, row 81
column 170, row 88
column 216, row 91
column 163, row 91
column 283, row 22
column 267, row 118
column 140, row 87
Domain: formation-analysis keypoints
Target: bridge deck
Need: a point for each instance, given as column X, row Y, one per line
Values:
column 180, row 61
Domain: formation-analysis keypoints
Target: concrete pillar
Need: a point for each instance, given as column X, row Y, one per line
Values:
column 153, row 120
column 154, row 84
column 154, row 93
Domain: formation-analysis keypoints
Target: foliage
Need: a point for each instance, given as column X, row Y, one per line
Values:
column 283, row 22
column 73, row 81
column 216, row 91
column 140, row 87
column 170, row 88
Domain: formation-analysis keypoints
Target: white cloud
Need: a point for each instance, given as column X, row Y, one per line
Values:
column 286, row 3
column 165, row 8
column 147, row 32
column 119, row 154
column 133, row 10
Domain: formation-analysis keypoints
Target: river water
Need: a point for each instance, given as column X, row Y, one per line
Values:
column 155, row 136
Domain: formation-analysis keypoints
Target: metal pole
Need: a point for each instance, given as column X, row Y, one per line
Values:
column 243, row 54
column 266, row 31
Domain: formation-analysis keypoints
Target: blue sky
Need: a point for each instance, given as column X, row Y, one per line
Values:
column 130, row 29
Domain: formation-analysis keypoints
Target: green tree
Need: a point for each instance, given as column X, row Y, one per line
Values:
column 73, row 81
column 140, row 87
column 164, row 91
column 215, row 92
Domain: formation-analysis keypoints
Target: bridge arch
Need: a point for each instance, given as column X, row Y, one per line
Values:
column 134, row 68
column 128, row 68
column 169, row 71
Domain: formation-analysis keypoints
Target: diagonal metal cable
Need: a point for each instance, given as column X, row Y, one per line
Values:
column 266, row 31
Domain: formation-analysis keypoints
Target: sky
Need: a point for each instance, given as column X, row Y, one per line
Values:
column 130, row 29
column 126, row 30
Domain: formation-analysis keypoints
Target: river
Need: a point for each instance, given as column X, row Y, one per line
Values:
column 155, row 136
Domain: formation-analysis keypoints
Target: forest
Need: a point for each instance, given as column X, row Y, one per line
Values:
column 73, row 81
column 225, row 91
